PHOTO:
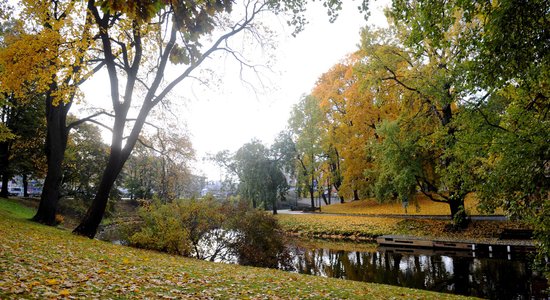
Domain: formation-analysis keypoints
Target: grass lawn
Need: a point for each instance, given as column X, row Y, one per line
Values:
column 421, row 206
column 48, row 263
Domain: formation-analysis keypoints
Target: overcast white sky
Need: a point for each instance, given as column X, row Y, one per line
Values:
column 232, row 114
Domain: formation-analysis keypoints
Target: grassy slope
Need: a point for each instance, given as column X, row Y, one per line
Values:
column 423, row 206
column 43, row 262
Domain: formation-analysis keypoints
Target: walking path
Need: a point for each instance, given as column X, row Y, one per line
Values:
column 306, row 202
column 498, row 218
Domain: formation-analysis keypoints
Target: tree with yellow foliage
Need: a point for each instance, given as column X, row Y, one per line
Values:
column 353, row 109
column 48, row 54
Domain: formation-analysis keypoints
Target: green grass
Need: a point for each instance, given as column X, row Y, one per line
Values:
column 13, row 207
column 41, row 262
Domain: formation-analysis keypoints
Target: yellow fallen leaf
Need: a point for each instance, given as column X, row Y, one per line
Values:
column 64, row 293
column 52, row 282
column 34, row 283
column 125, row 261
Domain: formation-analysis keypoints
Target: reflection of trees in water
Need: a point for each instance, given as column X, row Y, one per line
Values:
column 488, row 278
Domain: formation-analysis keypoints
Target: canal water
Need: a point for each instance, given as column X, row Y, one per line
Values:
column 491, row 276
column 484, row 275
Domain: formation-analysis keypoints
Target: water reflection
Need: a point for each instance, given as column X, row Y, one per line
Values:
column 505, row 277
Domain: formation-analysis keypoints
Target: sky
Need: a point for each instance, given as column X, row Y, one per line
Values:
column 231, row 113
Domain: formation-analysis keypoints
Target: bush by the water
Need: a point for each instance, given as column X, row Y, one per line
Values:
column 209, row 229
column 259, row 239
column 176, row 227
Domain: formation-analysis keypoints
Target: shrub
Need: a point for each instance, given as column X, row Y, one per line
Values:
column 207, row 229
column 259, row 239
column 176, row 227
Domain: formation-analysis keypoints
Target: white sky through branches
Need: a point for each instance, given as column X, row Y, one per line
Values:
column 231, row 113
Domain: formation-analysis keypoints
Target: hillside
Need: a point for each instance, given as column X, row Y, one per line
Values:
column 43, row 262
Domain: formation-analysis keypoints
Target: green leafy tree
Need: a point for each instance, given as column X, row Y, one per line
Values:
column 506, row 84
column 260, row 175
column 427, row 75
column 305, row 125
column 23, row 153
column 85, row 158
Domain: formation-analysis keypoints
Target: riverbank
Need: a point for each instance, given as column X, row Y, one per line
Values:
column 365, row 228
column 44, row 262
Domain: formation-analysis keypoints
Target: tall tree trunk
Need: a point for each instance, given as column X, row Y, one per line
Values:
column 88, row 226
column 312, row 197
column 355, row 195
column 456, row 197
column 5, row 181
column 117, row 158
column 342, row 199
column 312, row 191
column 324, row 198
column 25, row 185
column 275, row 205
column 329, row 191
column 56, row 143
column 4, row 165
column 458, row 213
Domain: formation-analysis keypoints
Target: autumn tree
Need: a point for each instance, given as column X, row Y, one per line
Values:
column 159, row 166
column 175, row 152
column 21, row 124
column 476, row 57
column 349, row 123
column 50, row 55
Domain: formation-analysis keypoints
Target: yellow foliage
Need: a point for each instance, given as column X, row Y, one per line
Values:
column 29, row 58
column 421, row 205
column 47, row 54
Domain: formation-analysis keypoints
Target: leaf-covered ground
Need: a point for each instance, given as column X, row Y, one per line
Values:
column 366, row 228
column 330, row 226
column 421, row 206
column 48, row 263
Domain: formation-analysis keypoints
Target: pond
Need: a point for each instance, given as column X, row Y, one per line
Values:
column 491, row 276
column 505, row 276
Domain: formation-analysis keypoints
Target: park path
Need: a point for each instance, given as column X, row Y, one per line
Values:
column 306, row 202
column 499, row 218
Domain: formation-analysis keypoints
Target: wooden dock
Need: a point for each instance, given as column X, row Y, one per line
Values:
column 506, row 246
